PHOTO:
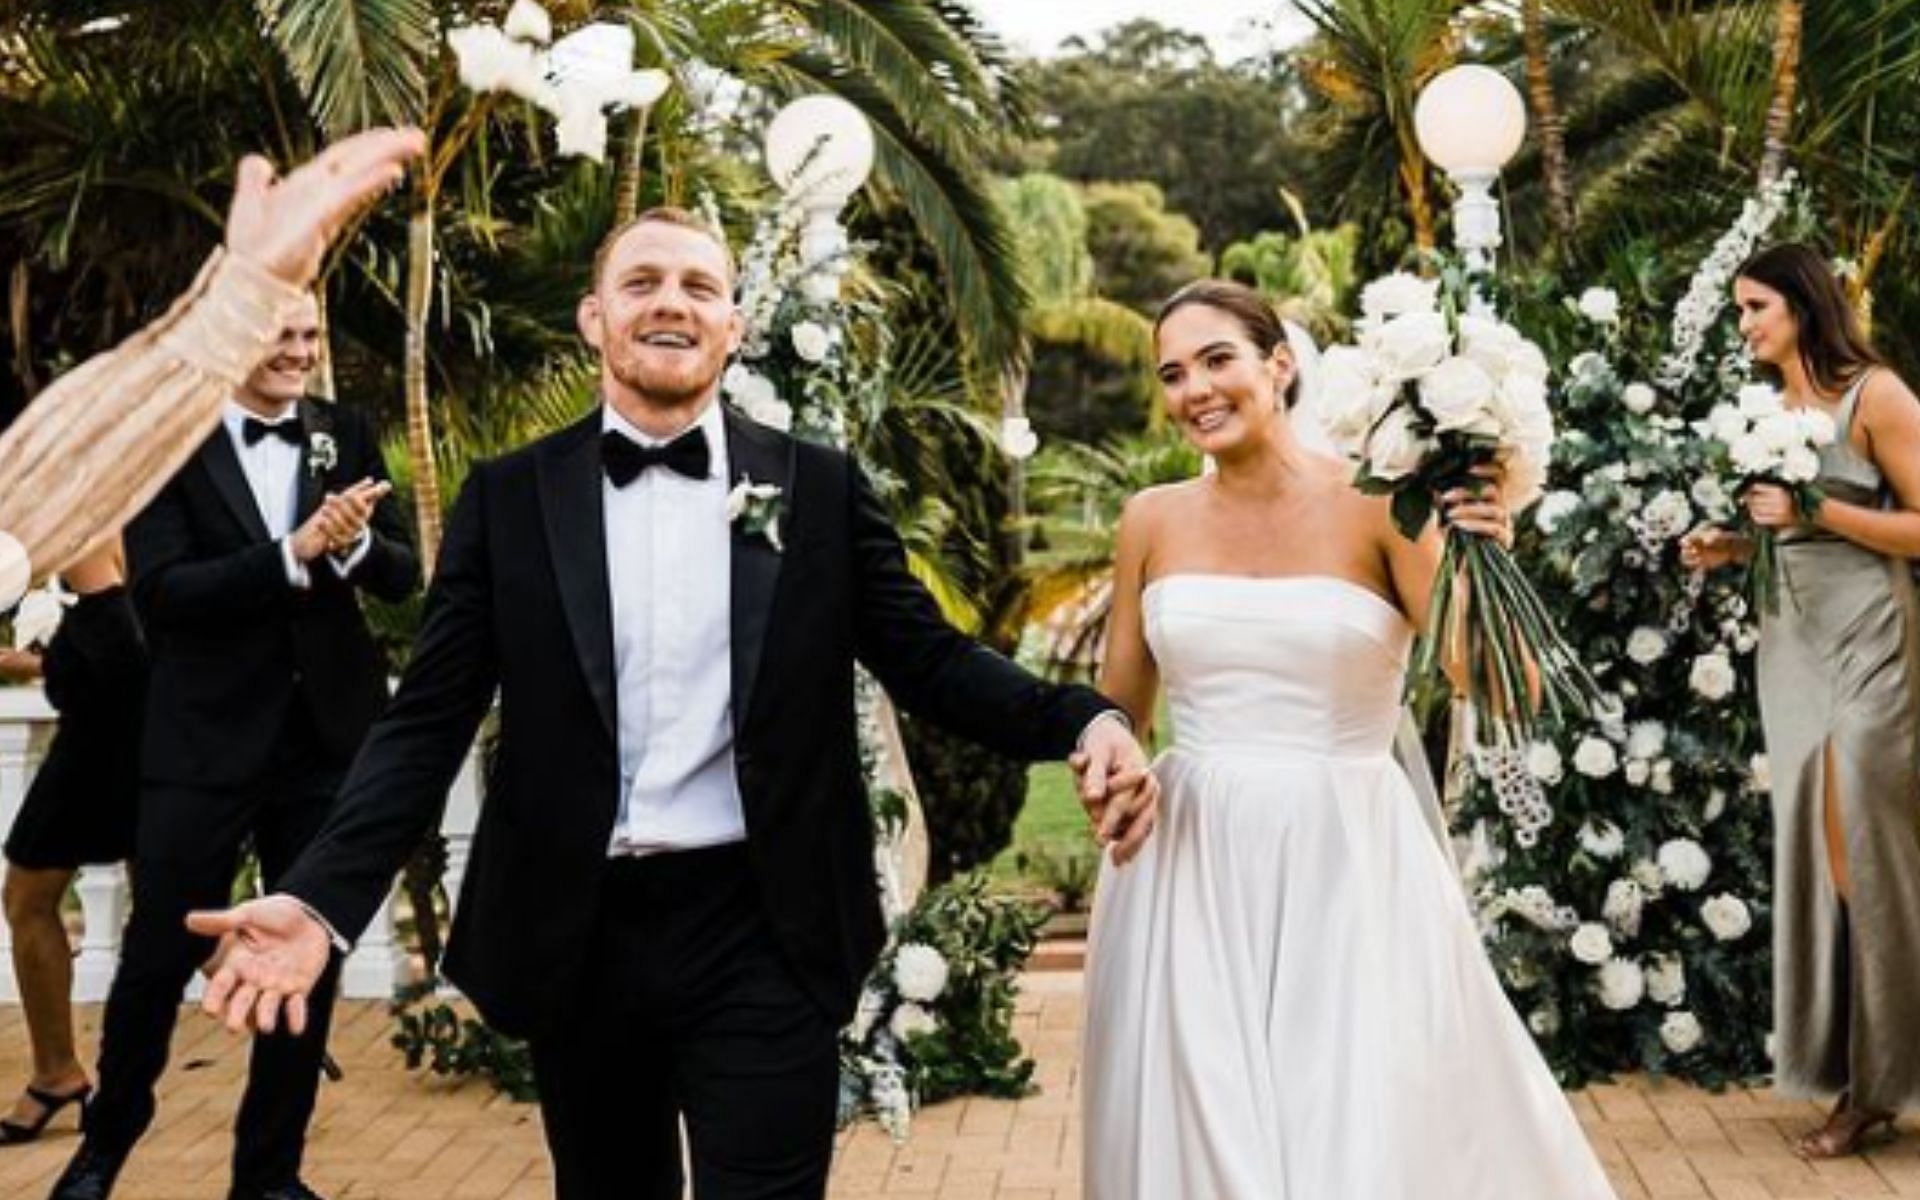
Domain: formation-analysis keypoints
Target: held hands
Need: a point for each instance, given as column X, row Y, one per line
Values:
column 1772, row 506
column 285, row 225
column 1119, row 792
column 339, row 521
column 271, row 954
column 1481, row 509
column 1709, row 549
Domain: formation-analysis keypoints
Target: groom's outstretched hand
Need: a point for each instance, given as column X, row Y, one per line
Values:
column 1117, row 788
column 271, row 953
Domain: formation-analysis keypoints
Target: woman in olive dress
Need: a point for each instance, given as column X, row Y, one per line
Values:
column 1839, row 681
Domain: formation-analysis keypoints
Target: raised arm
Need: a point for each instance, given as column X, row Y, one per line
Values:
column 75, row 468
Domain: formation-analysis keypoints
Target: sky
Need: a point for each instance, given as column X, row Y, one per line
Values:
column 1232, row 26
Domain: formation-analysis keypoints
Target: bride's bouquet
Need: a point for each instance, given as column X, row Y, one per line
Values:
column 1428, row 397
column 1759, row 440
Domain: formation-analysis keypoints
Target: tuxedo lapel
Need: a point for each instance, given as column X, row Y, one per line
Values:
column 763, row 456
column 314, row 419
column 576, row 525
column 230, row 480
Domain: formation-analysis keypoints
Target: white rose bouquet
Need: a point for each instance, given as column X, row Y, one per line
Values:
column 1757, row 439
column 1428, row 397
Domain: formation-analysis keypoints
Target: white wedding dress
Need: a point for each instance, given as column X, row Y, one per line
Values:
column 1286, row 995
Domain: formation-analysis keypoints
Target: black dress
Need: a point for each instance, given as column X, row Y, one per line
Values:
column 80, row 807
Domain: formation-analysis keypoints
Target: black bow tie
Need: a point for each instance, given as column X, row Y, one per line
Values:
column 625, row 458
column 252, row 429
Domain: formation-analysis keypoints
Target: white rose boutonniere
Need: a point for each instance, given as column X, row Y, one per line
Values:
column 323, row 453
column 755, row 509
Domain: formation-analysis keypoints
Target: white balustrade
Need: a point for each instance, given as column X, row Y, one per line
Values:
column 378, row 963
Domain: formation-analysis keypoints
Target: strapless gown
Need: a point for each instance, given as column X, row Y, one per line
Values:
column 1287, row 997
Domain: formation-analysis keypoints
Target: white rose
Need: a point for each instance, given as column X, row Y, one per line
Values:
column 1017, row 438
column 1800, row 465
column 1663, row 777
column 1587, row 367
column 1759, row 778
column 1712, row 498
column 528, row 22
column 1602, row 839
column 1646, row 645
column 1780, row 431
column 1392, row 295
column 1622, row 908
column 1410, row 345
column 910, row 1019
column 1639, row 399
column 1622, row 984
column 756, row 396
column 1716, row 806
column 1712, row 676
column 1591, row 943
column 1750, row 455
column 1667, row 516
column 1757, row 400
column 1637, row 772
column 811, row 342
column 1543, row 762
column 1681, row 1032
column 1544, row 1022
column 1495, row 345
column 1684, row 864
column 920, row 972
column 1667, row 980
column 1458, row 395
column 1353, row 395
column 1726, row 917
column 1396, row 449
column 1600, row 305
column 1646, row 739
column 1554, row 508
column 1594, row 758
column 1725, row 423
column 1817, row 427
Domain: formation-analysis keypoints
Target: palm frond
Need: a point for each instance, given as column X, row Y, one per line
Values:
column 358, row 62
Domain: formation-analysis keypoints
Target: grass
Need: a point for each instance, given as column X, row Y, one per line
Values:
column 1052, row 819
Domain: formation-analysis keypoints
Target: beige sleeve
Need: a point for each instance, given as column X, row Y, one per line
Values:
column 90, row 451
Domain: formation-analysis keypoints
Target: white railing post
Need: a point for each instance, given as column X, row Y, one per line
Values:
column 103, row 903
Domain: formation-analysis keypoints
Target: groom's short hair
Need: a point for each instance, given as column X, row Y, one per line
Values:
column 665, row 214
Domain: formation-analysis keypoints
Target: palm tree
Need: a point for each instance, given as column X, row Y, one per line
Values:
column 1370, row 59
column 1546, row 119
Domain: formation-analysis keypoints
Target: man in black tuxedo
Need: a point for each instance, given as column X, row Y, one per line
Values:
column 671, row 893
column 246, row 572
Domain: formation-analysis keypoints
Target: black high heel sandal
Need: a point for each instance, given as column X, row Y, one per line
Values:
column 14, row 1133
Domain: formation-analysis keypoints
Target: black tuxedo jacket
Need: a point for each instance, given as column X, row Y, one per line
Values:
column 521, row 602
column 234, row 644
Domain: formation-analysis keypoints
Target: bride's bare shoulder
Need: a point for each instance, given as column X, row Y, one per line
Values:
column 1154, row 503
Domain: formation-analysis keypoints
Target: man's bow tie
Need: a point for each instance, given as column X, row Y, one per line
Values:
column 252, row 429
column 625, row 458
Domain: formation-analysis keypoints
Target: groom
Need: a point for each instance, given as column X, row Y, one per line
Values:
column 671, row 894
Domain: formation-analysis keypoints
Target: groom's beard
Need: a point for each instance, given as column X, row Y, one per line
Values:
column 665, row 380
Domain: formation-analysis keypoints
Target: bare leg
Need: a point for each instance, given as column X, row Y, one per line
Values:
column 1836, row 833
column 43, row 965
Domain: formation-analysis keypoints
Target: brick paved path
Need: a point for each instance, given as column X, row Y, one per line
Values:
column 383, row 1134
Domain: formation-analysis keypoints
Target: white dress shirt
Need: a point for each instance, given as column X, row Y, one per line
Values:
column 272, row 466
column 669, row 568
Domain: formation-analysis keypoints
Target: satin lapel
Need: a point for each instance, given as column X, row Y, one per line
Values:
column 315, row 418
column 576, row 524
column 759, row 454
column 230, row 480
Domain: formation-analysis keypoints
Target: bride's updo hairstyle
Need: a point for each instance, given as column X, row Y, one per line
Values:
column 1246, row 306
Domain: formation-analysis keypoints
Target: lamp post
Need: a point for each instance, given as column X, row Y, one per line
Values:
column 819, row 152
column 1470, row 121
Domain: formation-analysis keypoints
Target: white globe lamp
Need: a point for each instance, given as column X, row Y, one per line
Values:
column 819, row 152
column 1470, row 121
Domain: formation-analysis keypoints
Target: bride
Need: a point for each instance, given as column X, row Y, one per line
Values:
column 1286, row 995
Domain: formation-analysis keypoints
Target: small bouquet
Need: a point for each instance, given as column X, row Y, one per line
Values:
column 38, row 617
column 1758, row 439
column 1428, row 396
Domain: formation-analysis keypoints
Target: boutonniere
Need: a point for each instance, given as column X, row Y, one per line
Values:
column 323, row 453
column 754, row 508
